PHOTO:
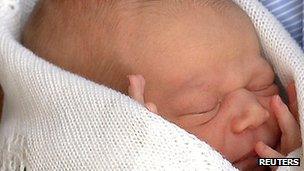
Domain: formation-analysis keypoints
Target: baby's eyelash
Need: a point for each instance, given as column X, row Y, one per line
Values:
column 196, row 119
column 267, row 91
column 259, row 87
column 264, row 87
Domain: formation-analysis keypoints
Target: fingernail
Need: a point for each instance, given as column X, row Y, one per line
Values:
column 279, row 100
column 262, row 145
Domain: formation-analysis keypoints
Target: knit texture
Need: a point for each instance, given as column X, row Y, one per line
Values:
column 55, row 120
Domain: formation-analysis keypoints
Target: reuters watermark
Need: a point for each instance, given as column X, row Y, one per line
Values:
column 278, row 161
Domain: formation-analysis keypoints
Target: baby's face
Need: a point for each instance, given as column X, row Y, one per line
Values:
column 207, row 75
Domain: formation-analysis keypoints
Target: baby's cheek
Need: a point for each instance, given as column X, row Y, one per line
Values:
column 214, row 132
column 274, row 127
column 269, row 133
column 219, row 137
column 265, row 102
column 271, row 127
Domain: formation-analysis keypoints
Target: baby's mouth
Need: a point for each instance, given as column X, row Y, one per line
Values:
column 247, row 161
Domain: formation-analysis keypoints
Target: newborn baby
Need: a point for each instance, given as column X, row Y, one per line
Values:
column 201, row 65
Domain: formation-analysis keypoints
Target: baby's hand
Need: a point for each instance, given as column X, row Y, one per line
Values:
column 291, row 137
column 136, row 91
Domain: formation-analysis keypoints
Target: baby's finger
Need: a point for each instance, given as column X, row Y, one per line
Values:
column 292, row 98
column 264, row 151
column 287, row 122
column 136, row 88
column 151, row 107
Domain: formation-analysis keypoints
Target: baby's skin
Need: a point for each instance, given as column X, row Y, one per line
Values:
column 287, row 120
column 213, row 81
column 201, row 63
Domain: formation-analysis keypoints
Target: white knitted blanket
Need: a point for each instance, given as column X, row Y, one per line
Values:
column 55, row 120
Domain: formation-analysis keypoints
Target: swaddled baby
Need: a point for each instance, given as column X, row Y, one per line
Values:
column 200, row 66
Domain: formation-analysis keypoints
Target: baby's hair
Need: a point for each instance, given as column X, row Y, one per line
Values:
column 75, row 34
column 106, row 7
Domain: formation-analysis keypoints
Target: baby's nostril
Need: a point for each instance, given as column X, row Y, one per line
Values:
column 238, row 125
column 249, row 120
column 266, row 114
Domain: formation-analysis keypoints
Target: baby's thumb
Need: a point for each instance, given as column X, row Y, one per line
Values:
column 292, row 98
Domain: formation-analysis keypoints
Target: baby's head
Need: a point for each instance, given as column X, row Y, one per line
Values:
column 201, row 60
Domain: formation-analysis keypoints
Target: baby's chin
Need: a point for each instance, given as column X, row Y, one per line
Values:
column 254, row 167
column 249, row 163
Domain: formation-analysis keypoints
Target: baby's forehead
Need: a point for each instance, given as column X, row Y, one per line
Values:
column 118, row 15
column 132, row 29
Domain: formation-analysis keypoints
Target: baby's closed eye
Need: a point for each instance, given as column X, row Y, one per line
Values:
column 194, row 101
column 268, row 90
column 196, row 108
column 195, row 119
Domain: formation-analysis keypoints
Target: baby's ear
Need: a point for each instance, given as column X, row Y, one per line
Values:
column 292, row 100
column 136, row 88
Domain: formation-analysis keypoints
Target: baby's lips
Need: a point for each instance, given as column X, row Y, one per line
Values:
column 247, row 161
column 264, row 151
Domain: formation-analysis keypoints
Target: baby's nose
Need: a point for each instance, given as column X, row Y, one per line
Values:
column 252, row 117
